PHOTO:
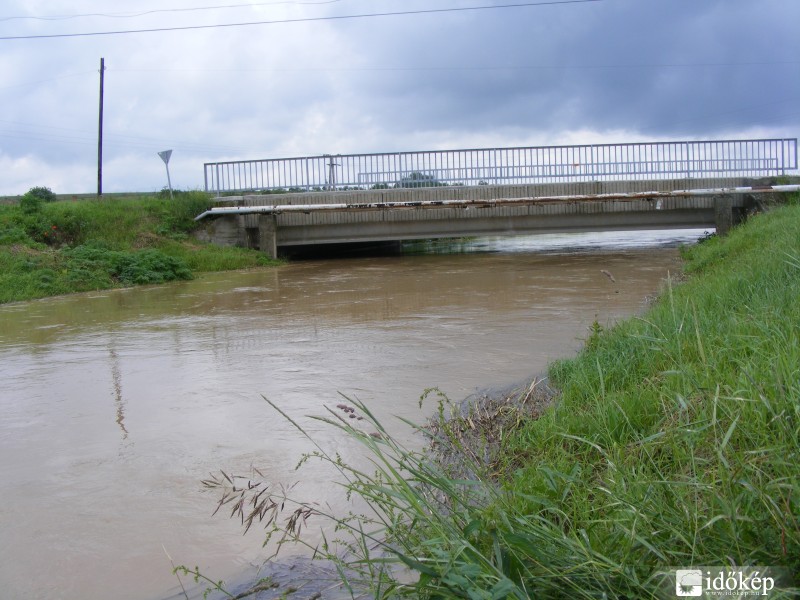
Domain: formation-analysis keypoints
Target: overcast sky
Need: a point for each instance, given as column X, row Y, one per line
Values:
column 331, row 79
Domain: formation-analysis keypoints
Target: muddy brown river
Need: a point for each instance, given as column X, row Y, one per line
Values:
column 115, row 405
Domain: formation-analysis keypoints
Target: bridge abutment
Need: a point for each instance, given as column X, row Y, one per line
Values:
column 723, row 214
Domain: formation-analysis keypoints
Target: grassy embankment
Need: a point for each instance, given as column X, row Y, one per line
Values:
column 58, row 247
column 675, row 442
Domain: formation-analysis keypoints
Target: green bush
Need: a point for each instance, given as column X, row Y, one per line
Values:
column 44, row 194
column 33, row 199
column 127, row 268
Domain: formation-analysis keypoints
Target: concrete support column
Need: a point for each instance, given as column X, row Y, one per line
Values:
column 241, row 232
column 268, row 235
column 723, row 214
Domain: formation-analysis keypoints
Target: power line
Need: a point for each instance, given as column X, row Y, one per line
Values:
column 50, row 133
column 16, row 85
column 161, row 10
column 698, row 65
column 111, row 141
column 298, row 20
column 469, row 67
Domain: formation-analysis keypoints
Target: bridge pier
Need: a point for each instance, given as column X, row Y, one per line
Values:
column 268, row 235
column 727, row 216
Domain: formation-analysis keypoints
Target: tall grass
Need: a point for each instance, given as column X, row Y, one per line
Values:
column 675, row 442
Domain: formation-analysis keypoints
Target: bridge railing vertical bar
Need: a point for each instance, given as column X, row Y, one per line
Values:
column 774, row 148
column 777, row 167
column 760, row 150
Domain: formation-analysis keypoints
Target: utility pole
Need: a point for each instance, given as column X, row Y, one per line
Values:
column 100, row 133
column 331, row 172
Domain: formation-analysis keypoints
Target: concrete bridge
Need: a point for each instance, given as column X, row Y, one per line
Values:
column 724, row 183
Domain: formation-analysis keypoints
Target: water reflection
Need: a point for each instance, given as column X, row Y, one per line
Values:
column 116, row 377
column 560, row 242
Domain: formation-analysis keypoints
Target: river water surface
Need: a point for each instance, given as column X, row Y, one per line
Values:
column 115, row 405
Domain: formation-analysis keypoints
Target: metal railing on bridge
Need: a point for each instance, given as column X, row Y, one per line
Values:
column 715, row 159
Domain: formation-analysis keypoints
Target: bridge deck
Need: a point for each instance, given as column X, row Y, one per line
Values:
column 271, row 221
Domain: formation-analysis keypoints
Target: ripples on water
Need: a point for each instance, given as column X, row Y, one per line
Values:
column 116, row 404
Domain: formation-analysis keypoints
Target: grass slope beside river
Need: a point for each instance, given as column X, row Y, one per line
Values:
column 49, row 248
column 676, row 440
column 674, row 443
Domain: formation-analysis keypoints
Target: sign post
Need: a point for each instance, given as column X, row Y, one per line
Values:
column 165, row 157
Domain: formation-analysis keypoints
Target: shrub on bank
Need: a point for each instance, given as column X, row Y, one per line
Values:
column 33, row 199
column 127, row 268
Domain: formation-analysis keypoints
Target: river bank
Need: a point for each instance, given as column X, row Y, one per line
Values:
column 674, row 442
column 50, row 248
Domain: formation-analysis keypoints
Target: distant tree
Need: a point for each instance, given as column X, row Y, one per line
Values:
column 418, row 179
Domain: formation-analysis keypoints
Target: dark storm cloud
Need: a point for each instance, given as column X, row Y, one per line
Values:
column 663, row 68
